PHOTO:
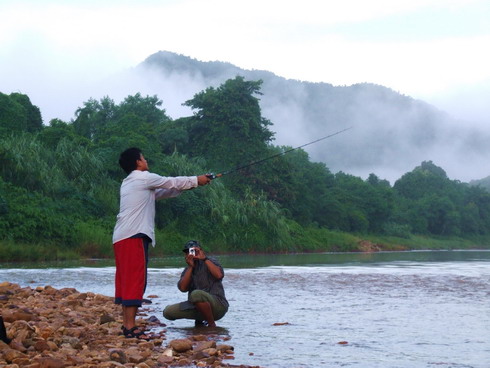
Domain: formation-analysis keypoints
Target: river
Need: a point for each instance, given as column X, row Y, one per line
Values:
column 389, row 309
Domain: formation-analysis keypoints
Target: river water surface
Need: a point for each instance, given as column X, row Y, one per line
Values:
column 403, row 309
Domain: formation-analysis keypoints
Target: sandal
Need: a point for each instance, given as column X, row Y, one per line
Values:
column 134, row 333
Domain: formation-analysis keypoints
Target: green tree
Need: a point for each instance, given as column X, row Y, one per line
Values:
column 367, row 203
column 93, row 117
column 424, row 179
column 137, row 121
column 13, row 116
column 58, row 130
column 173, row 138
column 442, row 217
column 433, row 203
column 227, row 128
column 475, row 214
column 380, row 203
column 308, row 188
column 34, row 121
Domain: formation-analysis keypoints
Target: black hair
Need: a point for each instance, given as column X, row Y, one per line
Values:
column 191, row 244
column 127, row 159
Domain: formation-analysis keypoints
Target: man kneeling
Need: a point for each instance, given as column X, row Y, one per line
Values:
column 201, row 278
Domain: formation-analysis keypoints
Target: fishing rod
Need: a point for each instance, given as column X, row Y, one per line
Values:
column 214, row 176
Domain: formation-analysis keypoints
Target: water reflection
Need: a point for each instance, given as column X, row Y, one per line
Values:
column 296, row 259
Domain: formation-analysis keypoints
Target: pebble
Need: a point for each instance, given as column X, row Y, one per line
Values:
column 60, row 328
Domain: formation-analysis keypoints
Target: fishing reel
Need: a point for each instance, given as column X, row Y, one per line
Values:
column 213, row 176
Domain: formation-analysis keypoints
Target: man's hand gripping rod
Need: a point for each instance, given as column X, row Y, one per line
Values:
column 214, row 176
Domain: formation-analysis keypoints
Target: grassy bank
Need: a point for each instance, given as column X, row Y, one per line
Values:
column 418, row 242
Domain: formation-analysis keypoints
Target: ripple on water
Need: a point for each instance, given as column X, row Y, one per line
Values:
column 389, row 314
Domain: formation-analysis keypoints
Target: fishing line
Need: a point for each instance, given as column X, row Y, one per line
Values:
column 214, row 176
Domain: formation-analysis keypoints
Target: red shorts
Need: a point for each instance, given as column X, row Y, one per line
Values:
column 131, row 257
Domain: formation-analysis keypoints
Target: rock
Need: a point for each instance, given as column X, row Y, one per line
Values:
column 21, row 362
column 184, row 362
column 46, row 332
column 67, row 350
column 4, row 346
column 8, row 316
column 82, row 296
column 199, row 337
column 369, row 247
column 10, row 354
column 74, row 360
column 74, row 342
column 153, row 319
column 17, row 346
column 117, row 356
column 224, row 348
column 213, row 361
column 8, row 288
column 50, row 362
column 204, row 345
column 21, row 332
column 163, row 360
column 211, row 351
column 134, row 356
column 53, row 328
column 74, row 303
column 22, row 316
column 146, row 345
column 66, row 292
column 110, row 364
column 49, row 290
column 105, row 318
column 200, row 355
column 181, row 345
column 41, row 345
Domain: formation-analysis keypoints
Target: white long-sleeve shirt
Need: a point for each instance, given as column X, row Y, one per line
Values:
column 138, row 193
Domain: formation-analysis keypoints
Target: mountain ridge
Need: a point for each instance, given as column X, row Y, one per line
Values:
column 392, row 133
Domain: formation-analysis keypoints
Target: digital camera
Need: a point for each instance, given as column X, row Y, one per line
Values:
column 192, row 251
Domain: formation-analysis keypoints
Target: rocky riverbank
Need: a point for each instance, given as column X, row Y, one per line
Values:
column 60, row 328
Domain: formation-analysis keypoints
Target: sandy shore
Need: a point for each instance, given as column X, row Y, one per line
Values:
column 52, row 328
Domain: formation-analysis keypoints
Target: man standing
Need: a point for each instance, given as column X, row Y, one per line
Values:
column 202, row 280
column 135, row 230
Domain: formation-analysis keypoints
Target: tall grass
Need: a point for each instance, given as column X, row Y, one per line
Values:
column 94, row 240
column 11, row 251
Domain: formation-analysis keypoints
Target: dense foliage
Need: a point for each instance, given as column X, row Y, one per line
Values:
column 59, row 183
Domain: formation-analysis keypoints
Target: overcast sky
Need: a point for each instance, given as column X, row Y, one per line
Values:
column 435, row 50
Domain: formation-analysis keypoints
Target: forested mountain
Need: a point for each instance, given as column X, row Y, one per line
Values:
column 483, row 183
column 392, row 133
column 59, row 183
